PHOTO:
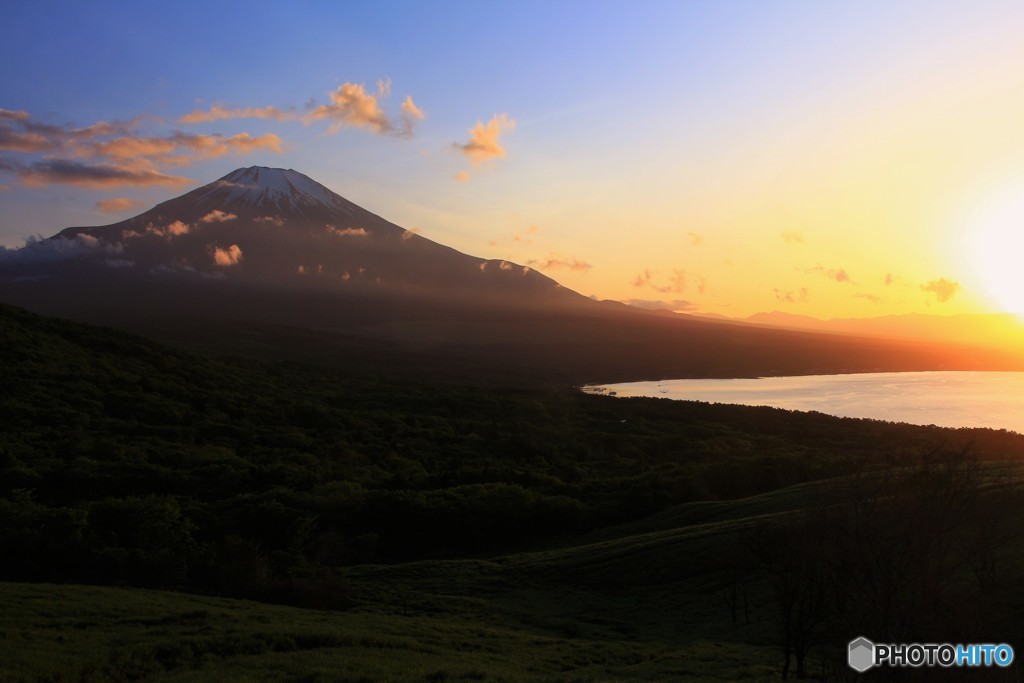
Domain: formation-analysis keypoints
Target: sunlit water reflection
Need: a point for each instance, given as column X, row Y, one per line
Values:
column 947, row 399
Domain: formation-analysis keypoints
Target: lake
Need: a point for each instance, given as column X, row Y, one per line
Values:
column 946, row 399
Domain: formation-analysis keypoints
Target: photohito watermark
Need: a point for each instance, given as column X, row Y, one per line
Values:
column 863, row 654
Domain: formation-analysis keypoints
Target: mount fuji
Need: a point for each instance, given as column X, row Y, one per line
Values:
column 279, row 228
column 269, row 262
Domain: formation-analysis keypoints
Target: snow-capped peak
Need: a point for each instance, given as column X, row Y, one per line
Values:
column 262, row 185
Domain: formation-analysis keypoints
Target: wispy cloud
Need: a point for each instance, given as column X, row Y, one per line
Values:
column 556, row 261
column 116, row 204
column 219, row 113
column 675, row 282
column 105, row 155
column 462, row 176
column 347, row 232
column 485, row 140
column 793, row 237
column 95, row 176
column 660, row 304
column 943, row 289
column 526, row 236
column 791, row 297
column 836, row 274
column 695, row 238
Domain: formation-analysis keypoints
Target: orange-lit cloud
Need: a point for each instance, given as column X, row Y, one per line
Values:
column 351, row 105
column 177, row 228
column 485, row 140
column 220, row 113
column 555, row 261
column 462, row 176
column 218, row 216
column 790, row 297
column 95, row 176
column 869, row 297
column 837, row 274
column 116, row 204
column 410, row 115
column 793, row 237
column 410, row 233
column 695, row 239
column 227, row 257
column 676, row 282
column 661, row 304
column 346, row 232
column 106, row 154
column 526, row 235
column 943, row 289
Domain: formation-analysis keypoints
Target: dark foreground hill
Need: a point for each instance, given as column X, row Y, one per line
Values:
column 464, row 533
column 268, row 263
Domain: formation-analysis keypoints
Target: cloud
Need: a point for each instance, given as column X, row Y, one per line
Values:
column 869, row 297
column 889, row 279
column 791, row 297
column 837, row 274
column 409, row 234
column 95, row 176
column 484, row 141
column 227, row 257
column 352, row 106
column 525, row 236
column 793, row 237
column 554, row 261
column 218, row 216
column 116, row 204
column 273, row 220
column 660, row 304
column 111, row 154
column 695, row 239
column 179, row 149
column 410, row 115
column 220, row 113
column 38, row 250
column 347, row 232
column 177, row 228
column 462, row 176
column 943, row 289
column 675, row 283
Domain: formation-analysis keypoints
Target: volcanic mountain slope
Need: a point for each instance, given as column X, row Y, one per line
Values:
column 274, row 227
column 269, row 262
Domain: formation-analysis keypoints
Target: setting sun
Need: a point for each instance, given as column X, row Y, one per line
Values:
column 992, row 243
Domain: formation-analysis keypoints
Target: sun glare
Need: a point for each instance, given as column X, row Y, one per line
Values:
column 995, row 245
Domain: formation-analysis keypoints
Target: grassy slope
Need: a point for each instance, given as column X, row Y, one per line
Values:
column 640, row 600
column 637, row 602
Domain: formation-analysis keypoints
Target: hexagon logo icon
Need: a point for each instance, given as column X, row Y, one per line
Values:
column 861, row 655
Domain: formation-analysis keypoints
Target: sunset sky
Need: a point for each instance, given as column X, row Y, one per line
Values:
column 830, row 159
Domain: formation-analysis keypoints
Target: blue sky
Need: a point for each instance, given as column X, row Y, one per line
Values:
column 721, row 157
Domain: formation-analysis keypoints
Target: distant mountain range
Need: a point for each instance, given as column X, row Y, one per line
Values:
column 269, row 262
column 999, row 330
